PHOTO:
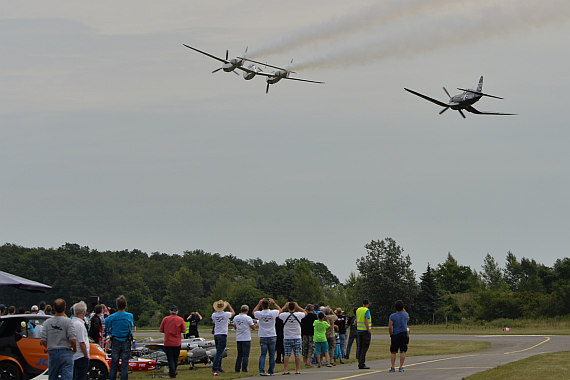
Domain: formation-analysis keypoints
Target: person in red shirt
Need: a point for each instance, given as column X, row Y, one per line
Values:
column 173, row 327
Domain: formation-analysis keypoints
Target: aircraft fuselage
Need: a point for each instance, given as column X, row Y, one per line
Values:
column 232, row 65
column 277, row 76
column 463, row 100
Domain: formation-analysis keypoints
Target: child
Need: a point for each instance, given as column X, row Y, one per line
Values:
column 337, row 354
column 320, row 339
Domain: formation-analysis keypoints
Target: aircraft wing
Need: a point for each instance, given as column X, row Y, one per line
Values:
column 303, row 80
column 427, row 98
column 473, row 110
column 262, row 63
column 208, row 54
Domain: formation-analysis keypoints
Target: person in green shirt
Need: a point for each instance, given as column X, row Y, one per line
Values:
column 320, row 339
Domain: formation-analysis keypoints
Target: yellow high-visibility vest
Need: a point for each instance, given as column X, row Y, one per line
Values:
column 360, row 313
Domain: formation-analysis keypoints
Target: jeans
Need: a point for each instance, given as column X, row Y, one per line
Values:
column 120, row 350
column 363, row 342
column 351, row 338
column 243, row 348
column 267, row 344
column 60, row 362
column 221, row 342
column 342, row 340
column 172, row 354
column 80, row 368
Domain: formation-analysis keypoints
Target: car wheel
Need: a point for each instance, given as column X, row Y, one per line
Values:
column 9, row 371
column 97, row 371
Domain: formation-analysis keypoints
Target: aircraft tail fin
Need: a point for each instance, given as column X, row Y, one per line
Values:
column 480, row 86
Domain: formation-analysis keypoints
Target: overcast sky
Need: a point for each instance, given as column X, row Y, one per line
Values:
column 116, row 136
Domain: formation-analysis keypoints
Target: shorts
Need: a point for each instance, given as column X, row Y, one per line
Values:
column 332, row 344
column 293, row 345
column 399, row 341
column 321, row 346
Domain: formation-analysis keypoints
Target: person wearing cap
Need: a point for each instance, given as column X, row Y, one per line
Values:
column 341, row 323
column 173, row 327
column 34, row 309
column 267, row 334
column 243, row 325
column 221, row 320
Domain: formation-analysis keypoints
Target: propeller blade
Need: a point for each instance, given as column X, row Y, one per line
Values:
column 479, row 93
column 445, row 89
column 216, row 70
column 227, row 53
column 443, row 110
column 235, row 73
column 462, row 114
column 267, row 89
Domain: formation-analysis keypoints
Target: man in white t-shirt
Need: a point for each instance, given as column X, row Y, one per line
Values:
column 243, row 325
column 291, row 315
column 267, row 335
column 221, row 320
column 81, row 356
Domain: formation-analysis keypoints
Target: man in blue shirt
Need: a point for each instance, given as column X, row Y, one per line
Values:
column 119, row 325
column 398, row 329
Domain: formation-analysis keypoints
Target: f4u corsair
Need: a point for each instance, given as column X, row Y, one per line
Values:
column 463, row 101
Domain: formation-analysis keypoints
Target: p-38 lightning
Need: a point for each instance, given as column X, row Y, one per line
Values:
column 463, row 101
column 249, row 72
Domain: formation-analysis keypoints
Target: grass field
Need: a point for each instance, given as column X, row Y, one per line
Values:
column 545, row 366
column 378, row 350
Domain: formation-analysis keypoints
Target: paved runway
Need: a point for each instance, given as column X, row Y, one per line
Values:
column 504, row 349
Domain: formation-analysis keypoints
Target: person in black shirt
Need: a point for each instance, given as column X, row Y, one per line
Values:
column 307, row 332
column 194, row 319
column 351, row 323
column 341, row 323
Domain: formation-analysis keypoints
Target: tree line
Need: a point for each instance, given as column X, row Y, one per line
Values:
column 195, row 279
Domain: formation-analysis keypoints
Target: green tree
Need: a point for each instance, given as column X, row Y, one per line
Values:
column 492, row 274
column 429, row 297
column 386, row 276
column 185, row 291
column 307, row 287
column 454, row 278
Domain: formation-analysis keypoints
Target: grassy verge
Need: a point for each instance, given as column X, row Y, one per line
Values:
column 546, row 366
column 378, row 351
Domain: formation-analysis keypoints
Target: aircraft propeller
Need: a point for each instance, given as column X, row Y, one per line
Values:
column 227, row 53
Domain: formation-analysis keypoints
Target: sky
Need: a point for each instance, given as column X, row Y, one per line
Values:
column 115, row 136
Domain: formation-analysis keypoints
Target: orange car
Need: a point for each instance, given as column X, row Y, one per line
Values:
column 22, row 357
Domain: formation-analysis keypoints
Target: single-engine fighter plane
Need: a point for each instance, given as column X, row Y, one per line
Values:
column 463, row 101
column 278, row 74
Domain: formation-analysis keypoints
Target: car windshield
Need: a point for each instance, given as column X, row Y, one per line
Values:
column 21, row 327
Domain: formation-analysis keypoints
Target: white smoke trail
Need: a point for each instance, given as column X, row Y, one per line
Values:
column 380, row 13
column 499, row 17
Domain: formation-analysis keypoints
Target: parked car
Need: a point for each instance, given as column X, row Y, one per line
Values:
column 22, row 357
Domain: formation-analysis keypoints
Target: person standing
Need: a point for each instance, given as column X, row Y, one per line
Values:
column 320, row 337
column 119, row 326
column 267, row 335
column 81, row 355
column 221, row 320
column 341, row 323
column 352, row 333
column 363, row 324
column 331, row 339
column 58, row 337
column 95, row 327
column 307, row 333
column 193, row 320
column 398, row 329
column 292, row 314
column 279, row 350
column 243, row 325
column 173, row 327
